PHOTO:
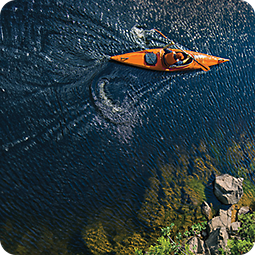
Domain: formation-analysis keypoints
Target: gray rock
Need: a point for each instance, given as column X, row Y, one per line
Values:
column 234, row 226
column 206, row 210
column 228, row 189
column 225, row 216
column 217, row 239
column 204, row 234
column 243, row 210
column 196, row 245
column 215, row 223
column 223, row 220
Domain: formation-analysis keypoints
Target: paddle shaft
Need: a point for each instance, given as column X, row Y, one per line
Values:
column 204, row 67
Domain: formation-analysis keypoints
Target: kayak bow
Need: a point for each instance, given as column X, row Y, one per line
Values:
column 153, row 59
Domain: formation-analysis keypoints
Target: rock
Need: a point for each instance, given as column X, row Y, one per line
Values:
column 223, row 220
column 225, row 216
column 234, row 226
column 217, row 239
column 243, row 210
column 215, row 223
column 196, row 245
column 204, row 234
column 206, row 210
column 228, row 189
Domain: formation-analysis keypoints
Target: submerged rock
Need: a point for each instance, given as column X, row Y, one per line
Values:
column 228, row 189
column 206, row 210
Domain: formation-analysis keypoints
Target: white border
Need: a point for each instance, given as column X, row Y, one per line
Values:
column 2, row 3
column 252, row 3
column 2, row 251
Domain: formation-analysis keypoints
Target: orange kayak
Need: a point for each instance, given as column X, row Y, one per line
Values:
column 153, row 59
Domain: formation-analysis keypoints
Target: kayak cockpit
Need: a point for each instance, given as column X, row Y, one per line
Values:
column 151, row 59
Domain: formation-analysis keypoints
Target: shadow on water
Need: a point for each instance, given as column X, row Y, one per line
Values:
column 98, row 156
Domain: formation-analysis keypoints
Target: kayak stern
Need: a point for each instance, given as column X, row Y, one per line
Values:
column 222, row 60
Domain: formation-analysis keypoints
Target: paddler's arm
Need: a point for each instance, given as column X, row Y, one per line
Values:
column 167, row 50
column 186, row 60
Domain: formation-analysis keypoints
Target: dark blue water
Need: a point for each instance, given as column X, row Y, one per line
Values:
column 82, row 138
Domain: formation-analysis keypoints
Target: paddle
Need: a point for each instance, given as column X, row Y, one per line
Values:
column 172, row 43
column 204, row 67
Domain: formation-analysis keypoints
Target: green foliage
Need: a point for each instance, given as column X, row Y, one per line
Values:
column 246, row 234
column 238, row 247
column 247, row 230
column 138, row 252
column 166, row 245
column 197, row 228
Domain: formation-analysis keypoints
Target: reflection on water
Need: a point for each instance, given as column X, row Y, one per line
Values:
column 97, row 156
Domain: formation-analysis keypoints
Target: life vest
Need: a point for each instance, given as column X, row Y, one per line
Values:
column 172, row 58
column 169, row 59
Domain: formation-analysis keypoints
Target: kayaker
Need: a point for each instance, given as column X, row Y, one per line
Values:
column 171, row 58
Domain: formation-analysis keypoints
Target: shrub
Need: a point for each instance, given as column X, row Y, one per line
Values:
column 166, row 245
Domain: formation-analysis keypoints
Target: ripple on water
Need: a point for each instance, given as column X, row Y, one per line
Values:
column 115, row 98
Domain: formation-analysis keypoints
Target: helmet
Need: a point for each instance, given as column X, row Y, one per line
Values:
column 179, row 56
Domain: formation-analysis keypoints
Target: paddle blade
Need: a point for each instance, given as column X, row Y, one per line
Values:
column 204, row 68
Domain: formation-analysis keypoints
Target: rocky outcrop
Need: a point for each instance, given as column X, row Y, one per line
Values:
column 224, row 225
column 228, row 189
